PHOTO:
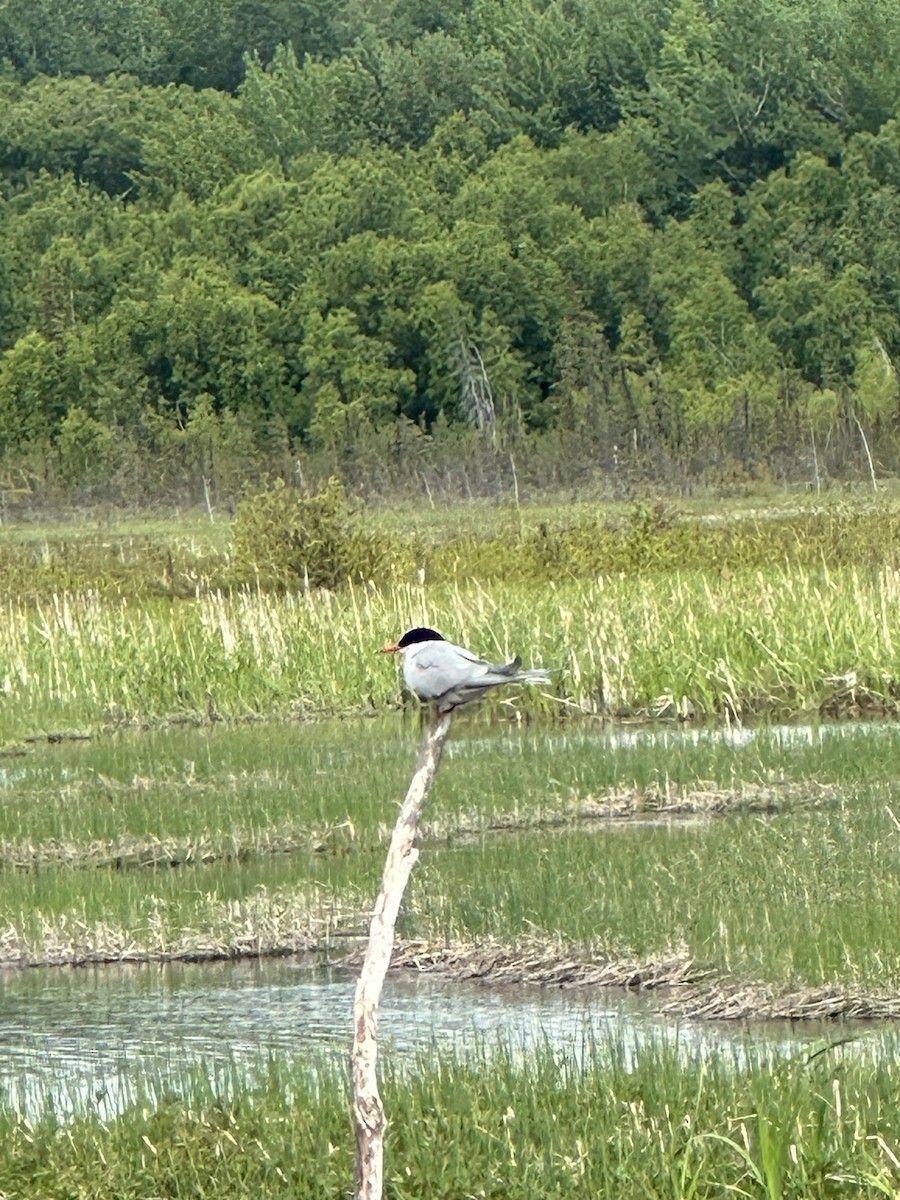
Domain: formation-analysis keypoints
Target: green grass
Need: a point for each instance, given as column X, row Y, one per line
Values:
column 643, row 610
column 213, row 782
column 137, row 557
column 803, row 900
column 273, row 835
column 187, row 555
column 198, row 912
column 294, row 821
column 661, row 1126
column 255, row 777
column 779, row 641
column 808, row 899
column 441, row 522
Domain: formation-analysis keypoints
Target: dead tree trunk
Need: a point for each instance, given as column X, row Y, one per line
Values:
column 368, row 1111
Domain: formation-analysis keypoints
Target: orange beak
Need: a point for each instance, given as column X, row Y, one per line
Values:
column 389, row 650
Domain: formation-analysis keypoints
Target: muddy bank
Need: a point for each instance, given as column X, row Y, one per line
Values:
column 678, row 985
column 683, row 987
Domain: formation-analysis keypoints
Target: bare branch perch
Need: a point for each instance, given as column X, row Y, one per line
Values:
column 368, row 1110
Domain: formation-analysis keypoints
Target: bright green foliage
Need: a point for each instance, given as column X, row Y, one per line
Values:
column 348, row 383
column 818, row 322
column 32, row 400
column 87, row 448
column 158, row 41
column 659, row 1125
column 877, row 389
column 119, row 137
column 313, row 242
column 295, row 108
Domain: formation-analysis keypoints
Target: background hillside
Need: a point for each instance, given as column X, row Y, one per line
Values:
column 429, row 244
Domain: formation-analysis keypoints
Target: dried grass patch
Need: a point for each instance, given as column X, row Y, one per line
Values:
column 543, row 963
column 255, row 926
column 128, row 852
column 734, row 1002
column 690, row 989
column 633, row 804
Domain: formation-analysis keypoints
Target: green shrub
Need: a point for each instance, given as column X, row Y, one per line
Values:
column 283, row 535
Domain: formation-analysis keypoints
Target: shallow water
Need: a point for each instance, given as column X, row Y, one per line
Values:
column 94, row 1039
column 339, row 744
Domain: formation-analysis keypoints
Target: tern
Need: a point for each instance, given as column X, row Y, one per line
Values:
column 448, row 675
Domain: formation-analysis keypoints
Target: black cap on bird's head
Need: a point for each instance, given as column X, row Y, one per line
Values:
column 411, row 637
column 419, row 635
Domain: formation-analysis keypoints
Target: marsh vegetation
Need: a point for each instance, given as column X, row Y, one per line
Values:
column 240, row 753
column 646, row 612
column 511, row 252
column 816, row 1126
column 763, row 859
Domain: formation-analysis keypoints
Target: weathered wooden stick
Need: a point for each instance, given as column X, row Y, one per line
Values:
column 368, row 1110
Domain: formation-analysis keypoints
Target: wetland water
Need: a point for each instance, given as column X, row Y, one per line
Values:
column 93, row 1039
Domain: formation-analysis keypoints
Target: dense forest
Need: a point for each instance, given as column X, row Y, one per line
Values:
column 653, row 240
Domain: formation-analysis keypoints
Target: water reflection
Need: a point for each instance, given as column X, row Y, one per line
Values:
column 665, row 735
column 94, row 1039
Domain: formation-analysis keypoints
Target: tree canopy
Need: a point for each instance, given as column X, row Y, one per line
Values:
column 233, row 232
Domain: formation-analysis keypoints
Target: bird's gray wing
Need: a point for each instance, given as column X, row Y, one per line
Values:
column 481, row 666
column 441, row 667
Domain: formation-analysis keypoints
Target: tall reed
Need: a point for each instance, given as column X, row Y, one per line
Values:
column 662, row 1126
column 782, row 640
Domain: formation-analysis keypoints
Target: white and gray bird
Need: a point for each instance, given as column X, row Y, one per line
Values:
column 447, row 675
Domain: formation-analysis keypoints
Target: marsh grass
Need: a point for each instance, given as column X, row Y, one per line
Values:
column 229, row 786
column 644, row 610
column 794, row 886
column 126, row 852
column 272, row 838
column 65, row 917
column 140, row 557
column 179, row 557
column 661, row 1125
column 775, row 641
column 233, row 785
column 807, row 898
column 756, row 929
